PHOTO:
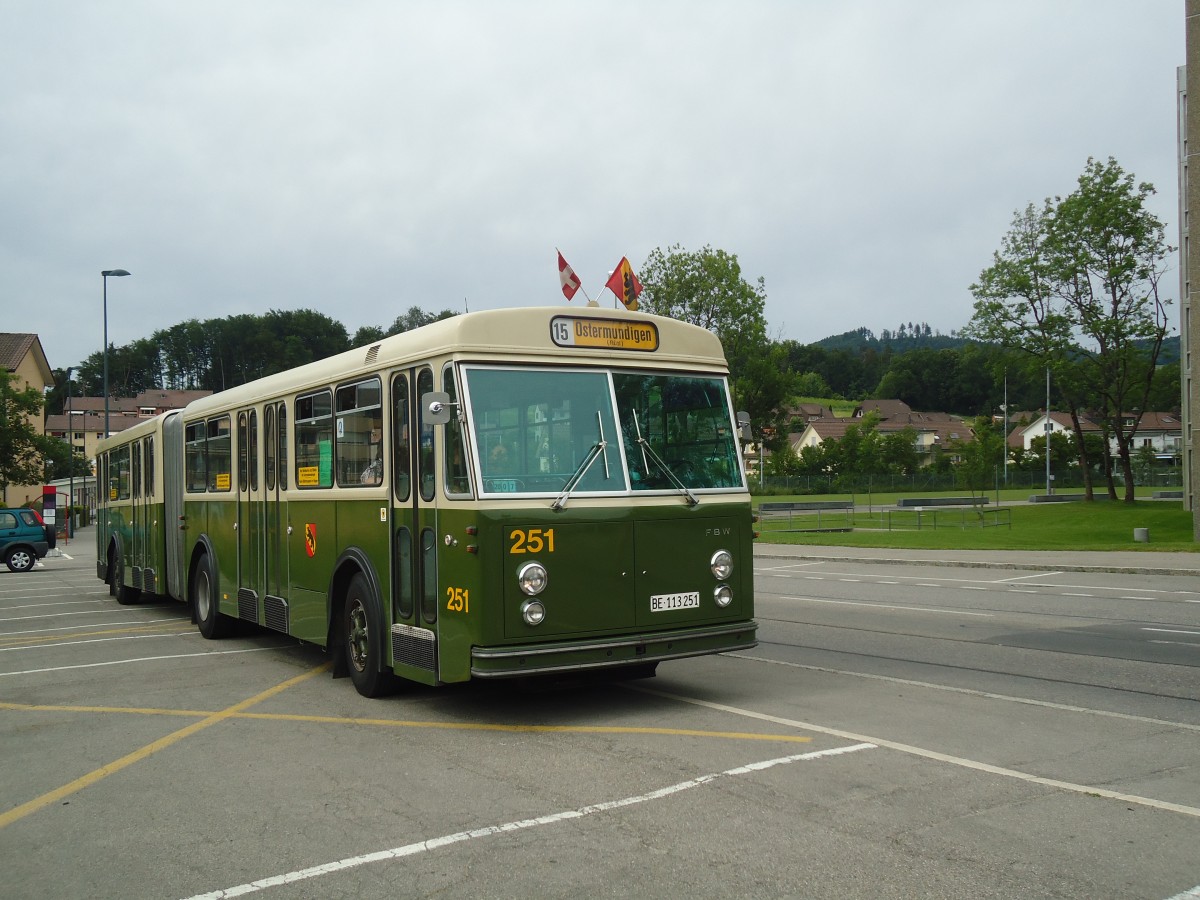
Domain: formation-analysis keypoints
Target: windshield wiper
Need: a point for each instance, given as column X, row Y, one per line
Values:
column 598, row 449
column 648, row 451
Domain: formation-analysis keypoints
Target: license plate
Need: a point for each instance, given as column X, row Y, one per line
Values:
column 667, row 602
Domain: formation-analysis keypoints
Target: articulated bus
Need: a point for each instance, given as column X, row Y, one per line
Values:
column 504, row 493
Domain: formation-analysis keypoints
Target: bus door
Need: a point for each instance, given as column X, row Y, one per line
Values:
column 147, row 519
column 275, row 516
column 250, row 519
column 137, row 517
column 414, row 549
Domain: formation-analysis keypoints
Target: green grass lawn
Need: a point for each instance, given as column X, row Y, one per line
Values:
column 1044, row 526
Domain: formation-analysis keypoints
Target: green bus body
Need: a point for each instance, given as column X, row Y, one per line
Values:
column 583, row 508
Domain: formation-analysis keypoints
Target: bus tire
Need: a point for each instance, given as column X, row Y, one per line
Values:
column 362, row 640
column 213, row 624
column 116, row 578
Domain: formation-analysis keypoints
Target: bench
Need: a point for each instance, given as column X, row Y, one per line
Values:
column 804, row 506
column 941, row 501
column 844, row 509
column 1066, row 498
column 1167, row 495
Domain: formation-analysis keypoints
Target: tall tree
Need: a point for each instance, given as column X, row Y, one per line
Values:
column 706, row 287
column 22, row 444
column 1110, row 253
column 1075, row 285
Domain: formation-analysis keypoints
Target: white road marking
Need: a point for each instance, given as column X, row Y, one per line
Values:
column 1170, row 631
column 1089, row 790
column 44, row 605
column 945, row 612
column 489, row 830
column 121, row 662
column 1187, row 895
column 88, row 612
column 944, row 581
column 77, row 627
column 1025, row 577
column 128, row 637
column 1046, row 704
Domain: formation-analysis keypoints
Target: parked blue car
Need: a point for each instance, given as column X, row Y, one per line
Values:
column 24, row 538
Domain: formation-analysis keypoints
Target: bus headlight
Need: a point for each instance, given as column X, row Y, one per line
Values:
column 723, row 595
column 532, row 578
column 721, row 564
column 533, row 612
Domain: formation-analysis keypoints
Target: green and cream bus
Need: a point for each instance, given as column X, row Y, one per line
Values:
column 503, row 493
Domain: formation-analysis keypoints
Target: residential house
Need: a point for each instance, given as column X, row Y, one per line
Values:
column 22, row 355
column 1161, row 431
column 932, row 429
column 85, row 419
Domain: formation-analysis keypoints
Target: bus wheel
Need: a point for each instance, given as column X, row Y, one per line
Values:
column 211, row 621
column 362, row 640
column 116, row 579
column 113, row 556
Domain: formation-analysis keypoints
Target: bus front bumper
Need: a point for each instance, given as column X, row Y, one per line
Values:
column 610, row 652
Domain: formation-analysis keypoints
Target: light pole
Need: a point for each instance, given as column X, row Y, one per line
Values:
column 70, row 461
column 1004, row 407
column 1049, row 429
column 104, row 278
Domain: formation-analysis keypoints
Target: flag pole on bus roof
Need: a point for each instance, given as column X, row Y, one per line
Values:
column 569, row 281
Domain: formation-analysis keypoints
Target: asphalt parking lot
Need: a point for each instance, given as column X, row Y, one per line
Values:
column 144, row 761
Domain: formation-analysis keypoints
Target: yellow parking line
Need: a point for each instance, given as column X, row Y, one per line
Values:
column 411, row 723
column 20, row 812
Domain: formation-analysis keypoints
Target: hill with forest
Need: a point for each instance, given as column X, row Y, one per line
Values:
column 908, row 336
column 919, row 336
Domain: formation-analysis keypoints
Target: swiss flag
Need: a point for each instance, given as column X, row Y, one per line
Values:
column 566, row 275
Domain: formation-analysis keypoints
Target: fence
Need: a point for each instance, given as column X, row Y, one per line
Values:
column 934, row 481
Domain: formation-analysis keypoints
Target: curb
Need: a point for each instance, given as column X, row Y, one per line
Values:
column 986, row 564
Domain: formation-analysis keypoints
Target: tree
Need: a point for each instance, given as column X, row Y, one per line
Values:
column 1075, row 286
column 1110, row 254
column 810, row 384
column 367, row 335
column 22, row 446
column 979, row 458
column 416, row 318
column 706, row 288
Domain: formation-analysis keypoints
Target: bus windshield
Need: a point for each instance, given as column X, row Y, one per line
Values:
column 535, row 430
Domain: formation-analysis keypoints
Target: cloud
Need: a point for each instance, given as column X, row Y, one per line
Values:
column 864, row 158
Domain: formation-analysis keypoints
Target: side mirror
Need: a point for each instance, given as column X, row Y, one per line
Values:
column 743, row 420
column 435, row 408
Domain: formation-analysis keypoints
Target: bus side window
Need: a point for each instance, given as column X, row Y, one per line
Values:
column 283, row 447
column 425, row 456
column 401, row 451
column 455, row 462
column 195, row 458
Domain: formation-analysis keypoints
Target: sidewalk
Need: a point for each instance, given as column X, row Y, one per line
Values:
column 1119, row 561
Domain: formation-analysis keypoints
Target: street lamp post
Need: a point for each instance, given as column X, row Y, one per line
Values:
column 104, row 278
column 1049, row 429
column 70, row 461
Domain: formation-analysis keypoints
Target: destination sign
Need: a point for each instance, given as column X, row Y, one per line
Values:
column 608, row 334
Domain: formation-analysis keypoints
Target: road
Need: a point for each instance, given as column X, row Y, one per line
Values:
column 902, row 730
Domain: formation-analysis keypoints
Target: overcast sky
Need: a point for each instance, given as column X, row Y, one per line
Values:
column 864, row 157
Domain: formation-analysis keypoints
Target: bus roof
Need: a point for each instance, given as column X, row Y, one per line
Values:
column 494, row 335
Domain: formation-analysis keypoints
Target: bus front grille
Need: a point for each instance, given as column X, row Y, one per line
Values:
column 414, row 647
